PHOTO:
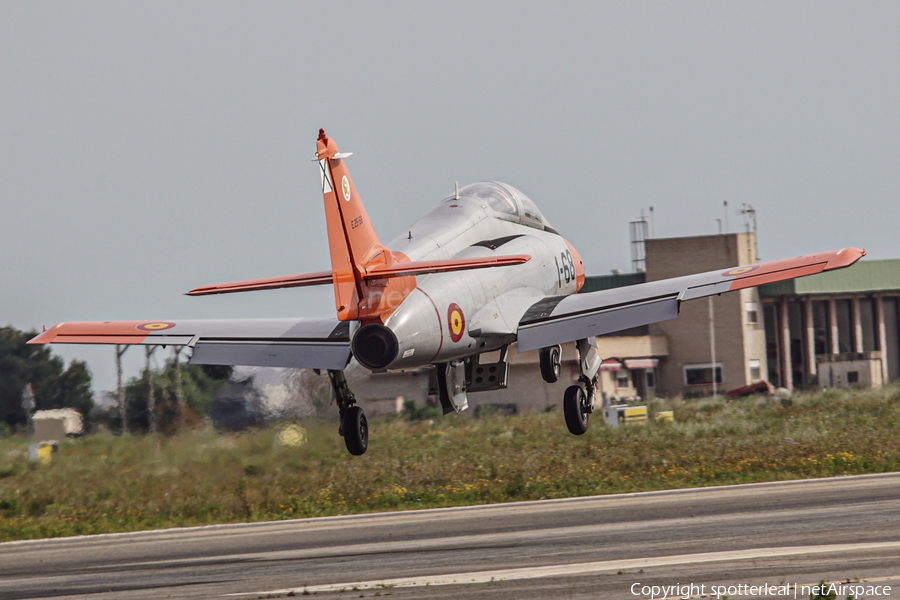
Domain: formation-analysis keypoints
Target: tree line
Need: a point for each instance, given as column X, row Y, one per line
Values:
column 56, row 386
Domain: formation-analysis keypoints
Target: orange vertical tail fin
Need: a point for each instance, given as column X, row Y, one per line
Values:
column 353, row 244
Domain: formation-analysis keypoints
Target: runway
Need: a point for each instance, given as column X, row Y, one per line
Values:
column 779, row 534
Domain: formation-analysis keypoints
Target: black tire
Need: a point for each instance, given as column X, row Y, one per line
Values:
column 550, row 359
column 576, row 414
column 356, row 430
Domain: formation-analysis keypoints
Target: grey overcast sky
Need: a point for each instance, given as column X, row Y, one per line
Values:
column 150, row 147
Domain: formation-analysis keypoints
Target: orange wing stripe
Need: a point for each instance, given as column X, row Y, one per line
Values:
column 94, row 339
column 94, row 332
column 790, row 268
column 268, row 283
column 443, row 266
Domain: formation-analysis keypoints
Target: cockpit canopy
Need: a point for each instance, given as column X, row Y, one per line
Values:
column 507, row 202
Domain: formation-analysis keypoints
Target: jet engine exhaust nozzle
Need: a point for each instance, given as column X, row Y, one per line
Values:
column 375, row 346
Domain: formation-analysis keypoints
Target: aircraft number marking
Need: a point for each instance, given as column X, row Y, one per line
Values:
column 567, row 271
column 356, row 222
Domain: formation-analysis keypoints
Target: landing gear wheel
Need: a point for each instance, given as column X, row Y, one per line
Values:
column 575, row 410
column 356, row 430
column 550, row 358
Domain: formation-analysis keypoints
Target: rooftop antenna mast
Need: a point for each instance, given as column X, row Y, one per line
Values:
column 638, row 250
column 749, row 214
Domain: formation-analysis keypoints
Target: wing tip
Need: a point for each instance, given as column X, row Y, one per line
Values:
column 206, row 290
column 45, row 337
column 844, row 258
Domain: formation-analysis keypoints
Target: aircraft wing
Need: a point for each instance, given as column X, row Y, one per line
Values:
column 310, row 343
column 559, row 319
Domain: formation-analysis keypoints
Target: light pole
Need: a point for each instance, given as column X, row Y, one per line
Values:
column 151, row 398
column 712, row 346
column 120, row 350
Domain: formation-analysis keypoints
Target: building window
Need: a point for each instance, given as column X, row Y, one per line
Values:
column 845, row 325
column 651, row 378
column 752, row 312
column 622, row 379
column 773, row 364
column 701, row 374
column 892, row 328
column 869, row 325
column 755, row 369
column 852, row 376
column 821, row 327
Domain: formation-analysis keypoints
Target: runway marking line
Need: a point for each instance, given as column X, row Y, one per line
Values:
column 579, row 568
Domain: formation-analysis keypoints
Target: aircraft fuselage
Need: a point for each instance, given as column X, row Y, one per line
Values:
column 450, row 316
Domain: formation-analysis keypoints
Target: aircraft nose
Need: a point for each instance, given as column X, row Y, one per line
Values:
column 579, row 265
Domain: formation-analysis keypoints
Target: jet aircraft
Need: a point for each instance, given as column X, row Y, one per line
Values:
column 483, row 270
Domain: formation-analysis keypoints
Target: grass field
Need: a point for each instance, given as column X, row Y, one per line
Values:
column 103, row 483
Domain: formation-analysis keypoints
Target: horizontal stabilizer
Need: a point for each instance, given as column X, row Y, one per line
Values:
column 398, row 269
column 267, row 283
column 425, row 267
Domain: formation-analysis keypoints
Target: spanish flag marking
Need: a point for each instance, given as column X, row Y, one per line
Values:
column 155, row 326
column 457, row 322
column 740, row 270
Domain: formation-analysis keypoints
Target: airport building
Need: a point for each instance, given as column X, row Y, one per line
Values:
column 835, row 329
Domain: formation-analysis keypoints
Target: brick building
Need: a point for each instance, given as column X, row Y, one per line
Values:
column 740, row 348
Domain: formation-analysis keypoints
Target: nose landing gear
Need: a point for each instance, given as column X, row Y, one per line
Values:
column 576, row 410
column 354, row 427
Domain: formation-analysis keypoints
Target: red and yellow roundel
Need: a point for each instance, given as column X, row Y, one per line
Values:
column 740, row 270
column 155, row 326
column 456, row 321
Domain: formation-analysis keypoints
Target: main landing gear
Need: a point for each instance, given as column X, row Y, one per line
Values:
column 550, row 363
column 354, row 426
column 578, row 400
